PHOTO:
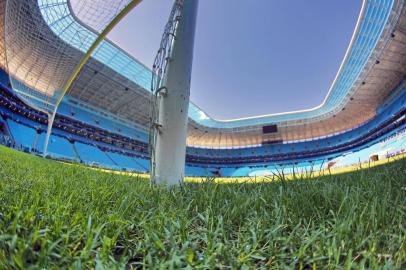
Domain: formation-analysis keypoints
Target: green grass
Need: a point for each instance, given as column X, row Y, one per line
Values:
column 59, row 216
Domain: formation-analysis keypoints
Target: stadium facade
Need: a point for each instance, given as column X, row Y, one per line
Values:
column 104, row 118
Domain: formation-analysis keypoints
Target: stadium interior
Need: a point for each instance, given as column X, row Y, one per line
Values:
column 103, row 120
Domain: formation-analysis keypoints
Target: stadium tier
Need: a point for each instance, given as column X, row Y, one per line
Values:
column 103, row 120
column 80, row 139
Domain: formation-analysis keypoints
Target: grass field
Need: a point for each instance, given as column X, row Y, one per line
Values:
column 58, row 216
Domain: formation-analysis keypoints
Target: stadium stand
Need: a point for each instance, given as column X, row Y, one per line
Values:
column 77, row 140
column 104, row 120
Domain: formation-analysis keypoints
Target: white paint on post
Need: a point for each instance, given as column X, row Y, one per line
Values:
column 51, row 119
column 170, row 150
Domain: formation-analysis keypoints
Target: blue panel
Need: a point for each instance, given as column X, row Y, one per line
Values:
column 22, row 134
column 93, row 155
column 58, row 147
column 130, row 163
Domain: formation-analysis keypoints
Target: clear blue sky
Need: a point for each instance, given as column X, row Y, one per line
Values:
column 253, row 57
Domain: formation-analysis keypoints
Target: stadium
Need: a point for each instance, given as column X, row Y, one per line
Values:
column 77, row 103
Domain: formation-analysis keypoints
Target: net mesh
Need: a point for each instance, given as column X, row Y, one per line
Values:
column 2, row 48
column 159, row 69
column 45, row 40
column 97, row 14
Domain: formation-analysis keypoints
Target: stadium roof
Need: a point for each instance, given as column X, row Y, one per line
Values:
column 58, row 35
